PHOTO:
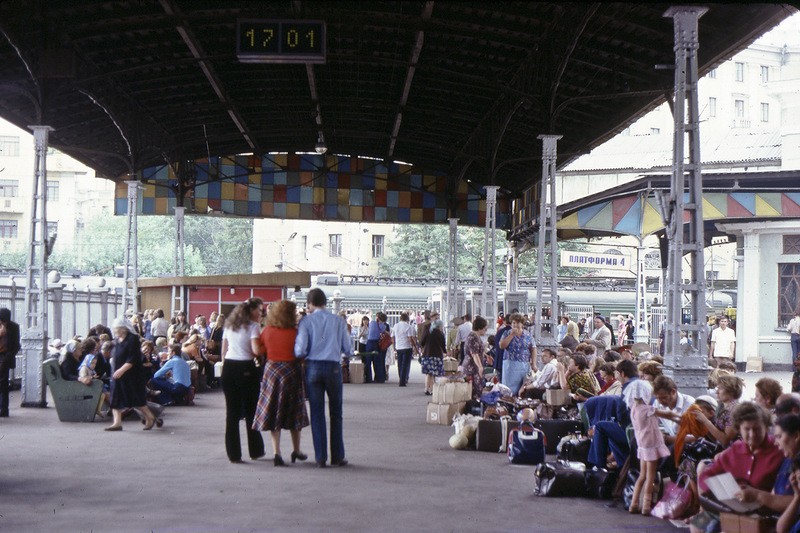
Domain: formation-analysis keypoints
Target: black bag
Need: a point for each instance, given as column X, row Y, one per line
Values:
column 575, row 449
column 555, row 430
column 600, row 483
column 630, row 483
column 555, row 479
column 701, row 449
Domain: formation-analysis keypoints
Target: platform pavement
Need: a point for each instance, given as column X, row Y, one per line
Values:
column 402, row 477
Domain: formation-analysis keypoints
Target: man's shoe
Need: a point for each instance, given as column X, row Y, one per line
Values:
column 340, row 462
column 321, row 464
column 4, row 414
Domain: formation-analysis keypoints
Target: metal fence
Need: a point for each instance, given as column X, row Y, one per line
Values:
column 70, row 310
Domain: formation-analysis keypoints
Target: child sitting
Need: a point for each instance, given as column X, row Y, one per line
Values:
column 86, row 374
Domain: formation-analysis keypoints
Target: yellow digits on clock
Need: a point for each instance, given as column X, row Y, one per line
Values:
column 268, row 34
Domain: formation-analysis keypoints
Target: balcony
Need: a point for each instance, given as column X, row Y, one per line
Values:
column 741, row 123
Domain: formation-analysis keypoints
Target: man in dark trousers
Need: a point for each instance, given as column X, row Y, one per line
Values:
column 9, row 347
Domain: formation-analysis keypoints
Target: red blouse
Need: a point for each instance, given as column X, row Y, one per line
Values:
column 279, row 343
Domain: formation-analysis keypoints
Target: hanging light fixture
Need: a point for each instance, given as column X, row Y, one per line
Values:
column 320, row 148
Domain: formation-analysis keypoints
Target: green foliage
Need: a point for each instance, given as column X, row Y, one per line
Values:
column 527, row 262
column 212, row 246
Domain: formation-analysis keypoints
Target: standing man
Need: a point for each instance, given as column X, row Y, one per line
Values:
column 321, row 340
column 723, row 341
column 9, row 347
column 601, row 333
column 405, row 343
column 463, row 332
column 794, row 333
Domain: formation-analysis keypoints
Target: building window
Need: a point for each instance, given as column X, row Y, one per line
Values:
column 764, row 112
column 52, row 228
column 8, row 229
column 712, row 107
column 791, row 244
column 739, row 71
column 377, row 246
column 335, row 245
column 788, row 291
column 655, row 131
column 764, row 74
column 52, row 191
column 9, row 146
column 738, row 107
column 712, row 73
column 9, row 188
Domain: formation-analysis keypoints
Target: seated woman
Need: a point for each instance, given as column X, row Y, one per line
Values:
column 649, row 370
column 787, row 437
column 71, row 360
column 173, row 379
column 753, row 461
column 87, row 374
column 205, row 368
column 577, row 376
column 723, row 430
column 612, row 386
column 767, row 392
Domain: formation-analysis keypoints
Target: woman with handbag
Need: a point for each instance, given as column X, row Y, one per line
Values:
column 753, row 461
column 722, row 429
column 214, row 342
column 376, row 342
column 433, row 349
column 474, row 350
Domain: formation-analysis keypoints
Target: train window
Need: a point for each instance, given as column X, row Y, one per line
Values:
column 788, row 291
column 791, row 244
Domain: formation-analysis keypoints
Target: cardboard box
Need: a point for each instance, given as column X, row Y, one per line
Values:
column 746, row 523
column 450, row 364
column 451, row 392
column 489, row 436
column 557, row 397
column 356, row 372
column 754, row 364
column 443, row 413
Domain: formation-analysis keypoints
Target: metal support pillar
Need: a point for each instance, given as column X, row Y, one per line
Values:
column 640, row 333
column 130, row 286
column 489, row 258
column 512, row 270
column 178, row 263
column 34, row 326
column 545, row 328
column 687, row 362
column 452, row 273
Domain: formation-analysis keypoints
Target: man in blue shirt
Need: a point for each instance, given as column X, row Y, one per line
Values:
column 175, row 389
column 321, row 340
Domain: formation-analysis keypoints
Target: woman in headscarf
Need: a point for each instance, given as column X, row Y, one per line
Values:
column 128, row 384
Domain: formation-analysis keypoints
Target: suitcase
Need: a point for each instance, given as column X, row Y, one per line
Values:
column 555, row 430
column 526, row 445
column 489, row 436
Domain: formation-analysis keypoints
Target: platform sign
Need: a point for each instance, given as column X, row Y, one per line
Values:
column 280, row 41
column 596, row 261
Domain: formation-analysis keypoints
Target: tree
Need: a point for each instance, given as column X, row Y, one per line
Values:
column 528, row 259
column 226, row 244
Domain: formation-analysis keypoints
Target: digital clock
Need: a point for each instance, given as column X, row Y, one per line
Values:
column 280, row 41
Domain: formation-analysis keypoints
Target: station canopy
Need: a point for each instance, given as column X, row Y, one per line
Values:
column 460, row 90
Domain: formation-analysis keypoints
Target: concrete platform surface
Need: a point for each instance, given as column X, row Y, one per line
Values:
column 402, row 476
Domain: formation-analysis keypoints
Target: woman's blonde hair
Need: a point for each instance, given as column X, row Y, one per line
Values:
column 282, row 315
column 731, row 384
column 241, row 313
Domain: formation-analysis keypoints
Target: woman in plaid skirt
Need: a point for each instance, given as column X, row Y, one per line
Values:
column 281, row 404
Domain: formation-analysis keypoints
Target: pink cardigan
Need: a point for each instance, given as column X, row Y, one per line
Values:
column 758, row 470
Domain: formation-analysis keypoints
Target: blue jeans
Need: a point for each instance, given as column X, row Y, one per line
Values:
column 404, row 365
column 514, row 373
column 608, row 434
column 170, row 392
column 325, row 377
column 795, row 341
column 378, row 363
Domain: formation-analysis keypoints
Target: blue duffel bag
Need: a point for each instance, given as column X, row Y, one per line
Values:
column 526, row 445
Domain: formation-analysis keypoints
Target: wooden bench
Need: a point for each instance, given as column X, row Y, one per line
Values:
column 75, row 402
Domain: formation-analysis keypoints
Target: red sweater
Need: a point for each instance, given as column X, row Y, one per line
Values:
column 279, row 343
column 759, row 470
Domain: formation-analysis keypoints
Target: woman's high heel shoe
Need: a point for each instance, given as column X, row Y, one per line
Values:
column 278, row 461
column 298, row 456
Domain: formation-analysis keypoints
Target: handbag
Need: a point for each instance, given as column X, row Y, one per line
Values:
column 555, row 479
column 701, row 449
column 384, row 341
column 574, row 448
column 600, row 483
column 678, row 501
column 526, row 445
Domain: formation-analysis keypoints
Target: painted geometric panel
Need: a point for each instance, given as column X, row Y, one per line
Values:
column 315, row 187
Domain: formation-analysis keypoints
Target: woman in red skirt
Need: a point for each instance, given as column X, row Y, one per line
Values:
column 281, row 404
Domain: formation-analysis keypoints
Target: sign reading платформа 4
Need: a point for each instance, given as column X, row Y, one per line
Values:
column 595, row 261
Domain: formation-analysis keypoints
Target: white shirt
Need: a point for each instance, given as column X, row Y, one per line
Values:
column 401, row 333
column 722, row 339
column 794, row 326
column 463, row 332
column 683, row 403
column 159, row 327
column 548, row 377
column 239, row 348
